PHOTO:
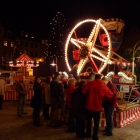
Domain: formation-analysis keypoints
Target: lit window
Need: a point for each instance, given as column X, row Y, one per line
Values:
column 26, row 35
column 12, row 44
column 32, row 36
column 5, row 43
column 43, row 41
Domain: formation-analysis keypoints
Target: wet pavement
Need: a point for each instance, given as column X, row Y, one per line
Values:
column 21, row 128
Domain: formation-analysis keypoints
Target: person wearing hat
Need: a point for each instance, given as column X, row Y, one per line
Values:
column 56, row 89
column 95, row 91
column 91, row 73
column 73, row 72
column 109, row 107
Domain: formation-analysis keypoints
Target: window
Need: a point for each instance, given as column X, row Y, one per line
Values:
column 8, row 33
column 46, row 43
column 5, row 54
column 22, row 33
column 32, row 36
column 26, row 35
column 35, row 54
column 43, row 41
column 31, row 54
column 21, row 43
column 12, row 44
column 36, row 45
column 5, row 43
column 26, row 44
column 32, row 45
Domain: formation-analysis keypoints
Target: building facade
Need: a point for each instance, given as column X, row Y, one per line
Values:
column 13, row 43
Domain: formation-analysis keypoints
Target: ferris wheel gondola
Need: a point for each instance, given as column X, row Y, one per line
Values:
column 115, row 29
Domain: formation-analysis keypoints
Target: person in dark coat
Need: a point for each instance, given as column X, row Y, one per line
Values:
column 78, row 109
column 56, row 89
column 22, row 92
column 37, row 101
column 109, row 107
column 91, row 73
column 47, row 98
column 74, row 72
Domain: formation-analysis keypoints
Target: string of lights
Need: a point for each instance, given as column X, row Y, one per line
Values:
column 57, row 36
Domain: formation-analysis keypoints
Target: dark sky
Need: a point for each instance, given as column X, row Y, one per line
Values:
column 37, row 14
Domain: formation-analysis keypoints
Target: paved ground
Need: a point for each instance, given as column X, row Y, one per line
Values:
column 15, row 128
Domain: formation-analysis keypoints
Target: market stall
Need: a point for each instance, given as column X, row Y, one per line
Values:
column 12, row 95
column 24, row 64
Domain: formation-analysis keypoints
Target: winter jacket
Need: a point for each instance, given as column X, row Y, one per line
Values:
column 69, row 92
column 95, row 92
column 47, row 93
column 21, row 89
column 37, row 98
column 78, row 104
column 111, row 103
column 56, row 89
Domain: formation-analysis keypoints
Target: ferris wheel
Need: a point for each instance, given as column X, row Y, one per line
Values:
column 83, row 40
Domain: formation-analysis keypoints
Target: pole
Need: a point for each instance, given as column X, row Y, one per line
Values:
column 133, row 65
column 56, row 63
column 134, row 52
column 56, row 68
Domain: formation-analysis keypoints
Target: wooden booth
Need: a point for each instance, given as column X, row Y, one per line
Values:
column 24, row 64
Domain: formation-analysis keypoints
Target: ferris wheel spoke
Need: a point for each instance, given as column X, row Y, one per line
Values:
column 81, row 64
column 93, row 63
column 93, row 35
column 99, row 58
column 100, row 53
column 77, row 42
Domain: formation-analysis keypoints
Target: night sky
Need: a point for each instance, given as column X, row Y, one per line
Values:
column 35, row 14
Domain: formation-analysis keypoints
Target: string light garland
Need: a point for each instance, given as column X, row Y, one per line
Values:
column 56, row 37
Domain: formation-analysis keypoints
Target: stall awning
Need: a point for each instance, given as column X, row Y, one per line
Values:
column 24, row 57
column 24, row 61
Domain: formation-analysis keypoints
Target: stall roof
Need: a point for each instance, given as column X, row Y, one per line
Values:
column 24, row 57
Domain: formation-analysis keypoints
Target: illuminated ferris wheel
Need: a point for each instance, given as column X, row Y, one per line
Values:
column 84, row 43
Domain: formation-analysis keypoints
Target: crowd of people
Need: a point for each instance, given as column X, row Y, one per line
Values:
column 81, row 99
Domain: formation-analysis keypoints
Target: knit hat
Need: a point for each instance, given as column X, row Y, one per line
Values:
column 56, row 74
